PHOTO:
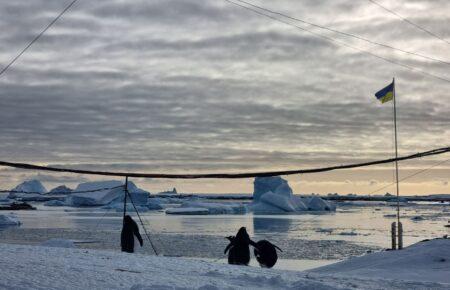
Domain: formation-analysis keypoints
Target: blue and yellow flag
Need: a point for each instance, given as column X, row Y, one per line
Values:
column 386, row 94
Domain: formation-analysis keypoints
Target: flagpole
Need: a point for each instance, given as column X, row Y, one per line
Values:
column 400, row 242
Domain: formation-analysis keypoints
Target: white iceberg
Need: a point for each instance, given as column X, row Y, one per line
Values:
column 29, row 187
column 273, row 195
column 9, row 220
column 62, row 189
column 101, row 194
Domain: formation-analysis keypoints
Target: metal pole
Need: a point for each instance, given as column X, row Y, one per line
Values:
column 125, row 198
column 396, row 167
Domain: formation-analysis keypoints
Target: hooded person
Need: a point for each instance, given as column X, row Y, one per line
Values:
column 129, row 230
column 266, row 253
column 239, row 250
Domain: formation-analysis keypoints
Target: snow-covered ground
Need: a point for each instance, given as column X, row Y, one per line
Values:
column 423, row 266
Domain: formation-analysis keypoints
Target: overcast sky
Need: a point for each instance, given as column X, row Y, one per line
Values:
column 206, row 86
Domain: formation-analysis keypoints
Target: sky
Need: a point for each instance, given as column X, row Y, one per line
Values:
column 186, row 86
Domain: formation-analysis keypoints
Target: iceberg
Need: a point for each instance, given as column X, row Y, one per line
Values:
column 273, row 195
column 29, row 187
column 209, row 208
column 99, row 197
column 62, row 189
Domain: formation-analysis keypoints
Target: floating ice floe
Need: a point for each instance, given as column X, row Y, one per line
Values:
column 55, row 203
column 209, row 208
column 9, row 220
column 273, row 195
column 99, row 196
column 188, row 211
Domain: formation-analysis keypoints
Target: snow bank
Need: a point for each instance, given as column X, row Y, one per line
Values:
column 424, row 261
column 273, row 195
column 32, row 267
column 107, row 196
column 209, row 208
column 9, row 220
column 30, row 187
column 59, row 243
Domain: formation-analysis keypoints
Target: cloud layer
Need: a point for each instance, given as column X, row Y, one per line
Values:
column 208, row 86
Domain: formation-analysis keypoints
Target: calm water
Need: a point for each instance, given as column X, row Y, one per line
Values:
column 365, row 225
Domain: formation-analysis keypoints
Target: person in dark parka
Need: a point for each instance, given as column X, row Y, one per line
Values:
column 239, row 248
column 266, row 253
column 129, row 230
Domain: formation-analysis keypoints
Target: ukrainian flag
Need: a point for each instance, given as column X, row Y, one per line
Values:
column 386, row 94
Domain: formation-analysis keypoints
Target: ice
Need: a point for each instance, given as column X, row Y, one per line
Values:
column 188, row 211
column 29, row 187
column 213, row 207
column 58, row 243
column 107, row 196
column 9, row 220
column 62, row 189
column 273, row 195
column 55, row 203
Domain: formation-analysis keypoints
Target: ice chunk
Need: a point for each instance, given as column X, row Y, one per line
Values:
column 274, row 184
column 188, row 211
column 316, row 203
column 9, row 220
column 216, row 207
column 29, row 187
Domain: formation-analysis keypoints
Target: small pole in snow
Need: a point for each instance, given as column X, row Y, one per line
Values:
column 125, row 191
column 400, row 236
column 393, row 236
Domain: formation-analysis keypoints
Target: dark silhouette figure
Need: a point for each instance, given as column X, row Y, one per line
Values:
column 129, row 230
column 239, row 251
column 266, row 253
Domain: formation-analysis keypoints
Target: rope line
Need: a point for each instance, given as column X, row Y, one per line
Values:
column 36, row 38
column 340, row 43
column 344, row 33
column 142, row 223
column 27, row 166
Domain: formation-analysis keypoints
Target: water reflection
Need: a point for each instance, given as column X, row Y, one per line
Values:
column 264, row 225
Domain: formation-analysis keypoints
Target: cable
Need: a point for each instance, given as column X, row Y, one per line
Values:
column 36, row 38
column 345, row 33
column 142, row 223
column 340, row 43
column 409, row 21
column 432, row 152
column 411, row 175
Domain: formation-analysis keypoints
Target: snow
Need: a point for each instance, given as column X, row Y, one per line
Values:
column 36, row 267
column 273, row 195
column 103, row 197
column 59, row 243
column 425, row 261
column 30, row 187
column 9, row 220
column 209, row 208
column 188, row 211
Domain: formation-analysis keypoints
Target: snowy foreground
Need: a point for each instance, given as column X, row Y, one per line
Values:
column 424, row 265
